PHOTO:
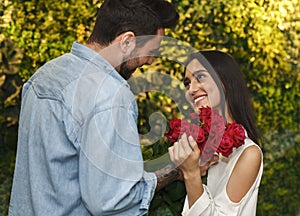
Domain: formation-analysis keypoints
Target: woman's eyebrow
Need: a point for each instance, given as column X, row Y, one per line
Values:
column 199, row 71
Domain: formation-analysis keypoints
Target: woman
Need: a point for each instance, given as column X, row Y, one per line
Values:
column 213, row 78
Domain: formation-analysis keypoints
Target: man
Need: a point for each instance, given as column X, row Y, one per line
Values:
column 78, row 148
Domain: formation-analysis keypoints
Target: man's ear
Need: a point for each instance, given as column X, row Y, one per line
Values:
column 127, row 42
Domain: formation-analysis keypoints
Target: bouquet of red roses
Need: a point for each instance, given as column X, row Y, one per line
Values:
column 210, row 130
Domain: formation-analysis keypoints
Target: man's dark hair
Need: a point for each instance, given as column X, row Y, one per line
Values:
column 142, row 17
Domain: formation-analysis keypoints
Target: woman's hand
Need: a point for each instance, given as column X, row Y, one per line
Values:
column 186, row 155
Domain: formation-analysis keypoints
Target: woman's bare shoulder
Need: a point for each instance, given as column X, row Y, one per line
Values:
column 244, row 173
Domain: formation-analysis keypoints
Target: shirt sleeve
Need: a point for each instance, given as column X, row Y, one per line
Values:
column 112, row 176
column 206, row 206
column 202, row 206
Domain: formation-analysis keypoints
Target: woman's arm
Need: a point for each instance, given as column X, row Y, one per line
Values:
column 244, row 173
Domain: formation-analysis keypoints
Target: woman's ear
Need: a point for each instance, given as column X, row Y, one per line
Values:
column 127, row 42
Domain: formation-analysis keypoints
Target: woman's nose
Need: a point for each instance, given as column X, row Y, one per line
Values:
column 195, row 85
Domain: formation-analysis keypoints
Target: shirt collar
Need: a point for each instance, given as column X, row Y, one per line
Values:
column 92, row 56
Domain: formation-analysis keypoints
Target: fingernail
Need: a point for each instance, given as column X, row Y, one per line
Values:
column 191, row 139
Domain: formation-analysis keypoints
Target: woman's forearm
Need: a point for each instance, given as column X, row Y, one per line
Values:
column 194, row 187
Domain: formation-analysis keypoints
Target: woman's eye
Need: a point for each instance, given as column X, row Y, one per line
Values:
column 186, row 82
column 199, row 76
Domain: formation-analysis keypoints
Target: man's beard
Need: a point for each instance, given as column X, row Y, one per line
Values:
column 125, row 70
column 129, row 65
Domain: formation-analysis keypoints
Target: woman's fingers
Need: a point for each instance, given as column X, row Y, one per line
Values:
column 193, row 144
column 176, row 152
column 186, row 147
column 171, row 153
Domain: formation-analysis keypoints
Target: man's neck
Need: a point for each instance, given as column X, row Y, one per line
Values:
column 110, row 53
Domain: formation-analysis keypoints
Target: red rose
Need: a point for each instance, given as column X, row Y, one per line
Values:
column 225, row 147
column 174, row 130
column 209, row 149
column 217, row 126
column 206, row 127
column 213, row 122
column 237, row 133
column 197, row 133
column 210, row 132
column 177, row 128
column 185, row 125
column 205, row 114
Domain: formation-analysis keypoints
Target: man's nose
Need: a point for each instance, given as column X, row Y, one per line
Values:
column 149, row 60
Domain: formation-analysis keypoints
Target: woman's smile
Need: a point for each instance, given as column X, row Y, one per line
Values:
column 198, row 99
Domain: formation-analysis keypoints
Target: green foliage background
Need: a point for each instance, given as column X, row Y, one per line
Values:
column 263, row 36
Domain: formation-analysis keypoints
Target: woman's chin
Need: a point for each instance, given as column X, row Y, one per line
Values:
column 198, row 106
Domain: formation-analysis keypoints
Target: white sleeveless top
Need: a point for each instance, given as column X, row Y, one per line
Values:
column 215, row 201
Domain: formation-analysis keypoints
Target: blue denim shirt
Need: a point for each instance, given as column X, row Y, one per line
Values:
column 78, row 145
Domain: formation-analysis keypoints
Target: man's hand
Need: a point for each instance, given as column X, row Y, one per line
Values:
column 167, row 175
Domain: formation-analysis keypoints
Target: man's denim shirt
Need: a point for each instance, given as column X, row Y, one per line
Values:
column 78, row 145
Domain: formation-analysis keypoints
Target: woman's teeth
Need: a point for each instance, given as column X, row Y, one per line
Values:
column 199, row 99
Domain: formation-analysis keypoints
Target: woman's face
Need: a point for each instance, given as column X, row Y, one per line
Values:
column 201, row 89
